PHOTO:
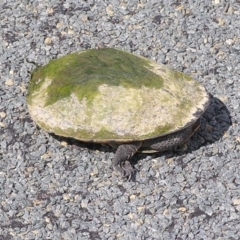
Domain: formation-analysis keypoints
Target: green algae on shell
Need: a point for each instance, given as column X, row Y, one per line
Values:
column 83, row 72
column 111, row 95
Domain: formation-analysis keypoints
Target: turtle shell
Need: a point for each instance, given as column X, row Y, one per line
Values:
column 107, row 94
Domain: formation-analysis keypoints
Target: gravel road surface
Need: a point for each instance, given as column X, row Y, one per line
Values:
column 56, row 188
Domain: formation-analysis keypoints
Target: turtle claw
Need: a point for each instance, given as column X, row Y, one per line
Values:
column 127, row 170
column 123, row 154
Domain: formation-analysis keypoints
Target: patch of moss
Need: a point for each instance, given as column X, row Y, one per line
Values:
column 158, row 131
column 105, row 134
column 83, row 72
column 185, row 104
column 180, row 75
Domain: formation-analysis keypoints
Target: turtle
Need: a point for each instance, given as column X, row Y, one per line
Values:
column 115, row 97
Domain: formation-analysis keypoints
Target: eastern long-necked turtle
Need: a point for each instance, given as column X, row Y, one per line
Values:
column 112, row 96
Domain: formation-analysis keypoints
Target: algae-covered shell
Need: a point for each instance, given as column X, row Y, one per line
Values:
column 107, row 94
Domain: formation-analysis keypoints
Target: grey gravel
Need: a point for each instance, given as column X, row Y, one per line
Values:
column 56, row 188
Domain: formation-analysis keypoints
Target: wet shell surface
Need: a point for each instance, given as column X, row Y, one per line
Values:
column 108, row 94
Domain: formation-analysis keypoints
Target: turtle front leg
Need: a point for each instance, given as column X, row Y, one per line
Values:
column 123, row 154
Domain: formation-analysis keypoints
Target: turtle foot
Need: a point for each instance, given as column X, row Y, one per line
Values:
column 126, row 170
column 123, row 154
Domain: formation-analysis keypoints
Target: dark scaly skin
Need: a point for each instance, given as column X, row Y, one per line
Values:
column 126, row 151
column 169, row 141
